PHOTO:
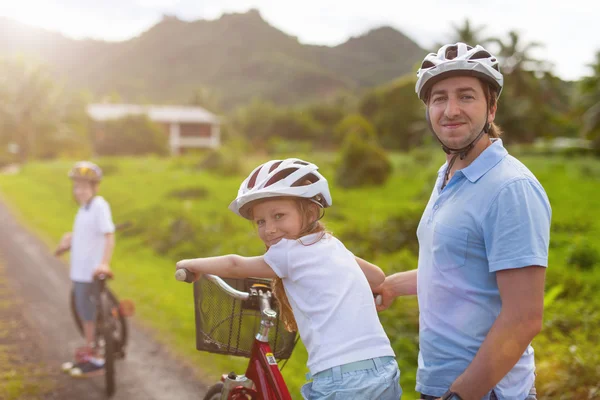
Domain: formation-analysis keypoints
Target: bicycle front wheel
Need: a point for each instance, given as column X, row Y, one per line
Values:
column 107, row 332
column 214, row 392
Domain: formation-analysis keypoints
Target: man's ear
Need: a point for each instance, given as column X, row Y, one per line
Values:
column 492, row 113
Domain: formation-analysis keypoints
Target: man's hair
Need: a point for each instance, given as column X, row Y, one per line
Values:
column 491, row 96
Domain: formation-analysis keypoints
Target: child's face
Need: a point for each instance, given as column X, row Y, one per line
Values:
column 277, row 219
column 83, row 191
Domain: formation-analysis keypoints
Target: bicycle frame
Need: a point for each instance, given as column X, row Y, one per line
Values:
column 264, row 372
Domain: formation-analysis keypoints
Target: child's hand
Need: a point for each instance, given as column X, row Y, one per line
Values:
column 64, row 245
column 185, row 264
column 103, row 269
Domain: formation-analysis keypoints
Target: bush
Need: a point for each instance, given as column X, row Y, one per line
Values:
column 189, row 193
column 568, row 362
column 224, row 160
column 355, row 124
column 397, row 233
column 363, row 162
column 583, row 254
column 134, row 135
column 284, row 147
column 6, row 159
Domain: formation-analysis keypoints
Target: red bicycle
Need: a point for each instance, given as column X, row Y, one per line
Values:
column 228, row 313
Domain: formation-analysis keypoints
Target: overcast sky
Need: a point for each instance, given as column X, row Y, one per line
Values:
column 570, row 30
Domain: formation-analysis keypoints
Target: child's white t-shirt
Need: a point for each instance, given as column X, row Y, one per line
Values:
column 331, row 300
column 92, row 222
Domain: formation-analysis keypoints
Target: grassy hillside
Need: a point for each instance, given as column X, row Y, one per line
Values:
column 180, row 211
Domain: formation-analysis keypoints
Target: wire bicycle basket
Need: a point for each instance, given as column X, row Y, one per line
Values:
column 225, row 325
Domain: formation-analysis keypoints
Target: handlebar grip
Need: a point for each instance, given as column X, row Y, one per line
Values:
column 378, row 299
column 184, row 275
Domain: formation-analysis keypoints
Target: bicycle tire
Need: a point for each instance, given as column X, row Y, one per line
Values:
column 214, row 392
column 124, row 329
column 109, row 344
column 123, row 337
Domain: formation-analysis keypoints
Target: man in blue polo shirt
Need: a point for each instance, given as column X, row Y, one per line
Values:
column 483, row 242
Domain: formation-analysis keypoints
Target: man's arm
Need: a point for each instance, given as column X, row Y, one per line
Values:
column 520, row 320
column 399, row 284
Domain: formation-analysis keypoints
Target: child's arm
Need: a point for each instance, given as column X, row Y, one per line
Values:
column 374, row 274
column 229, row 266
column 64, row 245
column 104, row 266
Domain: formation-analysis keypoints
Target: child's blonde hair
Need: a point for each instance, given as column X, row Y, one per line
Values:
column 310, row 224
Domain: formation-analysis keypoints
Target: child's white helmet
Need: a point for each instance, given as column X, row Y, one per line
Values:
column 282, row 178
column 458, row 59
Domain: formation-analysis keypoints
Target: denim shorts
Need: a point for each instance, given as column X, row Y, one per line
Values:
column 86, row 294
column 382, row 382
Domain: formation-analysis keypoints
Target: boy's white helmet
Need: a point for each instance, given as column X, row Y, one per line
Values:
column 458, row 59
column 282, row 178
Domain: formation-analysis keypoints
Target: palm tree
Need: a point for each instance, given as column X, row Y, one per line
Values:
column 465, row 33
column 29, row 104
column 468, row 33
column 516, row 55
column 517, row 62
column 590, row 91
column 590, row 86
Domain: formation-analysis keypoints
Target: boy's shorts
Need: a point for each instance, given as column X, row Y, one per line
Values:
column 86, row 295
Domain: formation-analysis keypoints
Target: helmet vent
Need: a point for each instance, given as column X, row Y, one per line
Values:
column 274, row 166
column 252, row 180
column 451, row 53
column 480, row 54
column 280, row 175
column 312, row 178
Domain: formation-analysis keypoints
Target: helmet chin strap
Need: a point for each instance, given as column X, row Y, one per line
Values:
column 462, row 152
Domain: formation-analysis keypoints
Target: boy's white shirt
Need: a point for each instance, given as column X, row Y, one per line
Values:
column 331, row 300
column 92, row 223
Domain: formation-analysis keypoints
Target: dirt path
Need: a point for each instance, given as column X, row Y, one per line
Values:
column 42, row 285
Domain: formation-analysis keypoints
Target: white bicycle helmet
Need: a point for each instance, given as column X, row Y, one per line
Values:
column 458, row 59
column 86, row 170
column 282, row 178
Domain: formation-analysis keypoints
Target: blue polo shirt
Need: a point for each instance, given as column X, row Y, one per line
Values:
column 493, row 215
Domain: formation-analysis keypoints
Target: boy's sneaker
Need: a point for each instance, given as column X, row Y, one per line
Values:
column 67, row 366
column 83, row 355
column 87, row 369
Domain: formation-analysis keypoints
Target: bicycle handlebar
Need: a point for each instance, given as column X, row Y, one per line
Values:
column 185, row 275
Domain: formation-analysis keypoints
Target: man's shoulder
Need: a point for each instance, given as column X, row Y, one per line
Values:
column 510, row 170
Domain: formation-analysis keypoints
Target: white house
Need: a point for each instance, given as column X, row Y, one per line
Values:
column 187, row 127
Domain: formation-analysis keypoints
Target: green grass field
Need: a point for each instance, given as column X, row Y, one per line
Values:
column 180, row 211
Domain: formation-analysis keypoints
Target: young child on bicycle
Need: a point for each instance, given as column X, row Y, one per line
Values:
column 324, row 291
column 91, row 243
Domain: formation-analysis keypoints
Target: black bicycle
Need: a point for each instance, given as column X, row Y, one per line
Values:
column 111, row 328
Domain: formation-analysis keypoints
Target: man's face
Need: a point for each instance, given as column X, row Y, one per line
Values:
column 458, row 110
